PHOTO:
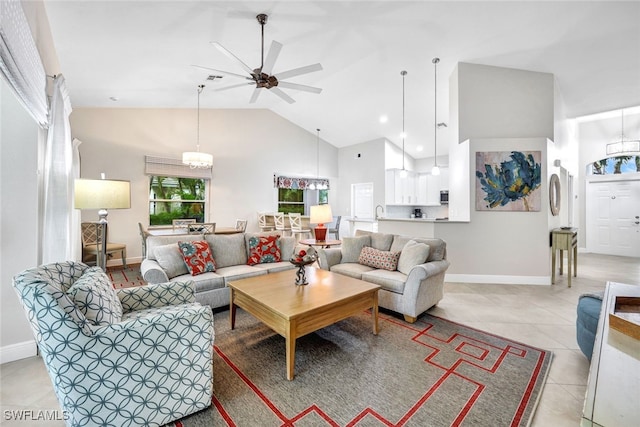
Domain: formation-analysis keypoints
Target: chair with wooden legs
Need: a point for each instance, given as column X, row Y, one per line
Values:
column 241, row 225
column 335, row 230
column 278, row 217
column 202, row 228
column 182, row 224
column 262, row 222
column 295, row 220
column 144, row 233
column 92, row 244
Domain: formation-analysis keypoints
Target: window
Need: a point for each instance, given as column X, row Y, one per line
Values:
column 171, row 198
column 616, row 165
column 297, row 201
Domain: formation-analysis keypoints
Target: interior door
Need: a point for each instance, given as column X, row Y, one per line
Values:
column 613, row 218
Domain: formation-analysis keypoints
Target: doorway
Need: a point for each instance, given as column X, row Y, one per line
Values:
column 613, row 217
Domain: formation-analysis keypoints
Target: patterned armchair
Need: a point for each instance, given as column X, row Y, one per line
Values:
column 136, row 356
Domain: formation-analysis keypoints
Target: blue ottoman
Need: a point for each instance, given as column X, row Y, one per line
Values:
column 588, row 314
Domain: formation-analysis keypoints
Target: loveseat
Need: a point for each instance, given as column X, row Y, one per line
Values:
column 409, row 270
column 135, row 356
column 230, row 253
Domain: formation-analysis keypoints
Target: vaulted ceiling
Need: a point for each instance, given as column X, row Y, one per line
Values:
column 140, row 53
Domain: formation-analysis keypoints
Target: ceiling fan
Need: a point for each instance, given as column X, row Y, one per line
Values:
column 261, row 77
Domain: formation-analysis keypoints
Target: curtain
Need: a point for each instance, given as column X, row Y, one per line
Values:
column 76, row 219
column 300, row 183
column 58, row 227
column 20, row 62
column 160, row 166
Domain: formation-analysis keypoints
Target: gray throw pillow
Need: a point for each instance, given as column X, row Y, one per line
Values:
column 352, row 246
column 170, row 259
column 412, row 254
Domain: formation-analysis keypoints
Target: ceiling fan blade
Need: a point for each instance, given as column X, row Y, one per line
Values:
column 227, row 73
column 298, row 71
column 233, row 86
column 297, row 86
column 282, row 95
column 254, row 95
column 231, row 56
column 272, row 56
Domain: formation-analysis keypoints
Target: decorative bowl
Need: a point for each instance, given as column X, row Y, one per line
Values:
column 300, row 259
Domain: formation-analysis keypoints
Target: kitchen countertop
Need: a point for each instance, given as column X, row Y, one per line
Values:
column 421, row 220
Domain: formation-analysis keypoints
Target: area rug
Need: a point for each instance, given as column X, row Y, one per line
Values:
column 431, row 373
column 126, row 277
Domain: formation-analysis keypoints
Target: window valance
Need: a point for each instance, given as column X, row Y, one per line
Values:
column 299, row 183
column 174, row 167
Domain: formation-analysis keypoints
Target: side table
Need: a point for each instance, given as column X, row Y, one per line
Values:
column 564, row 239
column 322, row 243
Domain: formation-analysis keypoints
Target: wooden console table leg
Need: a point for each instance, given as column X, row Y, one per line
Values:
column 569, row 259
column 575, row 261
column 561, row 262
column 553, row 265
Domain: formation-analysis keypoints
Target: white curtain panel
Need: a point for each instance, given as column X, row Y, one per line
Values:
column 58, row 228
column 20, row 62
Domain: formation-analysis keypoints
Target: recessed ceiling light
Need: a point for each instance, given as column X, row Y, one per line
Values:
column 114, row 98
column 419, row 148
column 384, row 119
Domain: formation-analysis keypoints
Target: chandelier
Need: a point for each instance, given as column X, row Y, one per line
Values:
column 623, row 145
column 197, row 159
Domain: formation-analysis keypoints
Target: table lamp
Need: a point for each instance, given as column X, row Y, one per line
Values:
column 102, row 194
column 321, row 214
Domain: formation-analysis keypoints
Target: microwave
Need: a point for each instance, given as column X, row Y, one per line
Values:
column 444, row 197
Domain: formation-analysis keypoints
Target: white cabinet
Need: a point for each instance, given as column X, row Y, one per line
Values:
column 433, row 190
column 400, row 190
column 421, row 188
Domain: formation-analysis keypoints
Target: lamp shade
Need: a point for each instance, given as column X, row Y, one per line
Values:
column 102, row 194
column 321, row 214
column 196, row 159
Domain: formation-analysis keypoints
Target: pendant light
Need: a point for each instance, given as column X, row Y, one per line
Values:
column 403, row 172
column 623, row 145
column 435, row 170
column 196, row 159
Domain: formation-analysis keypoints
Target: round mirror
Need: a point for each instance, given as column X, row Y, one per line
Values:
column 554, row 194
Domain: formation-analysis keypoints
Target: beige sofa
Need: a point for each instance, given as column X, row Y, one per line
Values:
column 413, row 287
column 164, row 263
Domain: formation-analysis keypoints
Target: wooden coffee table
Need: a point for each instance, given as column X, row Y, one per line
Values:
column 294, row 311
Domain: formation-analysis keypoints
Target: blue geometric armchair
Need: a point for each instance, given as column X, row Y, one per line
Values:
column 131, row 357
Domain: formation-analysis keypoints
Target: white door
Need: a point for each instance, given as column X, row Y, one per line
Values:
column 613, row 218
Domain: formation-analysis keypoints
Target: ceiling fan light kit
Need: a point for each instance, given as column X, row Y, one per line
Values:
column 262, row 77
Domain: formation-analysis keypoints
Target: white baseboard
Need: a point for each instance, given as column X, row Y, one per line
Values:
column 18, row 351
column 502, row 280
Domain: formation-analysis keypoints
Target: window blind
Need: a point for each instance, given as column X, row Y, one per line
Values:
column 161, row 166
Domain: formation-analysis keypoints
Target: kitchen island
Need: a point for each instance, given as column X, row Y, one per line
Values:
column 423, row 227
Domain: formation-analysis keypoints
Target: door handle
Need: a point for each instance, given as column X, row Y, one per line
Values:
column 613, row 197
column 637, row 222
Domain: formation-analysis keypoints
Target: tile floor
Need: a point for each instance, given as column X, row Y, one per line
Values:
column 542, row 316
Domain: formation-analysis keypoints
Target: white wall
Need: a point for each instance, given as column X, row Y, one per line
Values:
column 18, row 220
column 248, row 147
column 359, row 163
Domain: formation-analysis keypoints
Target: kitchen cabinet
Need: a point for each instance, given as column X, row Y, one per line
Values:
column 400, row 190
column 428, row 190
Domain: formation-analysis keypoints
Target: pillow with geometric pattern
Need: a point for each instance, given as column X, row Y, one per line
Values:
column 95, row 297
column 263, row 249
column 197, row 256
column 375, row 258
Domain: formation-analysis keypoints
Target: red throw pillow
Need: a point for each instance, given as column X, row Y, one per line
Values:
column 263, row 249
column 197, row 256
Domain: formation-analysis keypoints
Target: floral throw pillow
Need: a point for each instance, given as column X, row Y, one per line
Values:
column 375, row 258
column 263, row 249
column 197, row 256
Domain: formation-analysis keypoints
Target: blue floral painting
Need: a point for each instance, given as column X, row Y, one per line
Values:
column 508, row 181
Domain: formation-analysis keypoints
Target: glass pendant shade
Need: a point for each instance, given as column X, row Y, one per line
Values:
column 435, row 171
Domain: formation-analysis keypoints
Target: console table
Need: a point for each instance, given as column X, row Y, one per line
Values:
column 564, row 239
column 613, row 390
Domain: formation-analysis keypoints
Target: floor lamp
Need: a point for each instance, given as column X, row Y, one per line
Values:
column 102, row 194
